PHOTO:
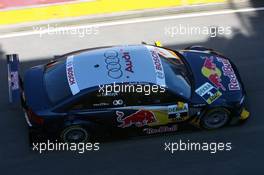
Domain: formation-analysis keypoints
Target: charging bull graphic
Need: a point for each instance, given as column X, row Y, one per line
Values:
column 139, row 118
column 210, row 71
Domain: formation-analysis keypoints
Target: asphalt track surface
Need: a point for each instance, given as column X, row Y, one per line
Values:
column 145, row 155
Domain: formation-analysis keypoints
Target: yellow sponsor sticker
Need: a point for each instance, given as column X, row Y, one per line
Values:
column 244, row 114
column 212, row 98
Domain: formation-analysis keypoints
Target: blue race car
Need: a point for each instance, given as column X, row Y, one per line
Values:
column 128, row 90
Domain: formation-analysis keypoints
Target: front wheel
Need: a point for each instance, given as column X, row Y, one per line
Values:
column 215, row 118
column 75, row 134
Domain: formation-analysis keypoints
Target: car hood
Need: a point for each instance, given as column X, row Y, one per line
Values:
column 211, row 71
column 35, row 94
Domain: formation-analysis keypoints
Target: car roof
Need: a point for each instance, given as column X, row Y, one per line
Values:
column 116, row 64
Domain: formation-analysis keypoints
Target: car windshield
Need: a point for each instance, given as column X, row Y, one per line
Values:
column 176, row 76
column 56, row 82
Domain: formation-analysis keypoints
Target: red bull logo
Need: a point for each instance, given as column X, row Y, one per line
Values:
column 214, row 74
column 139, row 118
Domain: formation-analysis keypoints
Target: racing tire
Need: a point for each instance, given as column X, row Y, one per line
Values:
column 75, row 134
column 215, row 118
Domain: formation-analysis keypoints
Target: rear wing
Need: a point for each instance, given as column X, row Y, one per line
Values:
column 14, row 82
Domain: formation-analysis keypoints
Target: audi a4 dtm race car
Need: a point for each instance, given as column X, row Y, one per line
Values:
column 83, row 95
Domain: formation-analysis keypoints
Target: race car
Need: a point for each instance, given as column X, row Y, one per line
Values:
column 128, row 90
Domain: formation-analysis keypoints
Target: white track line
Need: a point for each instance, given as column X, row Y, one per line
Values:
column 129, row 21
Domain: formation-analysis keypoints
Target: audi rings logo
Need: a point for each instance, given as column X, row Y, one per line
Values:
column 113, row 65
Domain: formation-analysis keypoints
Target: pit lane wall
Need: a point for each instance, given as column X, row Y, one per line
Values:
column 24, row 11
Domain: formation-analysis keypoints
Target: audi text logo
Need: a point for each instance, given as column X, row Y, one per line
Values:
column 113, row 65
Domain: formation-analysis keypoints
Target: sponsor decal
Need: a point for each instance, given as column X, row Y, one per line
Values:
column 129, row 65
column 71, row 77
column 14, row 80
column 161, row 129
column 100, row 104
column 229, row 72
column 198, row 105
column 107, row 94
column 139, row 118
column 156, row 60
column 178, row 112
column 208, row 92
column 210, row 71
column 118, row 102
column 160, row 76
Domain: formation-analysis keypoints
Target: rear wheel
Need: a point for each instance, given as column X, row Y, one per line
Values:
column 215, row 118
column 75, row 134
